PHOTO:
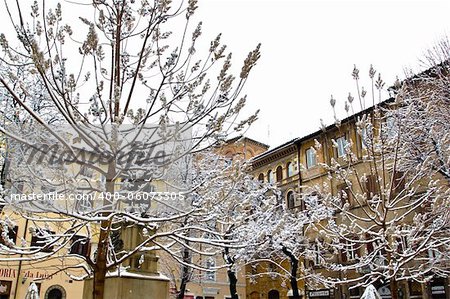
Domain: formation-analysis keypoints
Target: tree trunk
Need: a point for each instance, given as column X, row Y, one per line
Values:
column 100, row 268
column 100, row 263
column 230, row 260
column 183, row 283
column 294, row 269
column 185, row 275
column 393, row 285
column 233, row 284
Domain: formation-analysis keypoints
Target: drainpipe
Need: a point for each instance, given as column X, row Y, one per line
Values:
column 19, row 269
column 298, row 145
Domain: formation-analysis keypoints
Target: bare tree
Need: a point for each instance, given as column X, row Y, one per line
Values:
column 278, row 245
column 390, row 221
column 422, row 108
column 124, row 103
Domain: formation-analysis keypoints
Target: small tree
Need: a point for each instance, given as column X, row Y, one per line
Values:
column 278, row 240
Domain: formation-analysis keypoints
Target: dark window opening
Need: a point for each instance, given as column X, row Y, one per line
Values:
column 80, row 245
column 279, row 173
column 42, row 239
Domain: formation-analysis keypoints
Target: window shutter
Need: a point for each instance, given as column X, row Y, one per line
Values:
column 398, row 182
column 369, row 245
column 80, row 245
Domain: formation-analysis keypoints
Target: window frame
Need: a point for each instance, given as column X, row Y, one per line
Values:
column 341, row 189
column 210, row 275
column 390, row 129
column 12, row 234
column 290, row 171
column 290, row 200
column 371, row 186
column 77, row 247
column 279, row 174
column 350, row 252
column 270, row 178
column 45, row 247
column 363, row 138
column 341, row 146
column 308, row 157
column 261, row 177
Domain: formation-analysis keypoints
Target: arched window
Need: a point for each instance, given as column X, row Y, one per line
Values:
column 279, row 174
column 311, row 157
column 289, row 169
column 290, row 199
column 274, row 294
column 270, row 176
column 55, row 292
column 261, row 177
column 229, row 158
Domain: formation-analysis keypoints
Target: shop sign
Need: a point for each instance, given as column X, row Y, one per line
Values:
column 436, row 290
column 210, row 291
column 12, row 273
column 319, row 293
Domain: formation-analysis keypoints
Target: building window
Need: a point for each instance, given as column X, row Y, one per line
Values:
column 355, row 292
column 364, row 140
column 5, row 289
column 341, row 145
column 390, row 127
column 274, row 294
column 349, row 251
column 311, row 157
column 315, row 256
column 398, row 182
column 42, row 239
column 434, row 255
column 270, row 176
column 261, row 177
column 210, row 275
column 415, row 289
column 38, row 287
column 254, row 295
column 402, row 243
column 86, row 171
column 371, row 186
column 369, row 243
column 290, row 199
column 12, row 236
column 55, row 292
column 79, row 246
column 343, row 192
column 279, row 173
column 290, row 169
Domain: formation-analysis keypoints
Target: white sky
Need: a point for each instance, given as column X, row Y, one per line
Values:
column 309, row 48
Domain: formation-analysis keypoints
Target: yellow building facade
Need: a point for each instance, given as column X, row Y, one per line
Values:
column 307, row 154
